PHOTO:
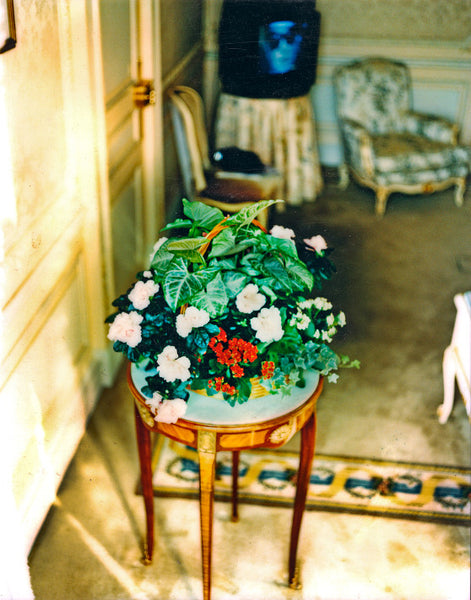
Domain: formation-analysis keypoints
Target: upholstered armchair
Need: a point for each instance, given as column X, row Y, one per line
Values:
column 387, row 146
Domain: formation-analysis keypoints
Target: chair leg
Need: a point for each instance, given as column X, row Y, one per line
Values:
column 459, row 191
column 381, row 200
column 344, row 178
column 449, row 372
column 235, row 486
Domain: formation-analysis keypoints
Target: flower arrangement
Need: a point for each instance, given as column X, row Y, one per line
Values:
column 223, row 303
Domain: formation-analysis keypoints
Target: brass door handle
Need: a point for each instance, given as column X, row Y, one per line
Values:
column 143, row 93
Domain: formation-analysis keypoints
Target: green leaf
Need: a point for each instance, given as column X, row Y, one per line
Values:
column 273, row 266
column 188, row 248
column 300, row 273
column 247, row 215
column 180, row 285
column 177, row 224
column 234, row 282
column 237, row 248
column 162, row 260
column 286, row 247
column 186, row 244
column 205, row 216
column 214, row 299
column 222, row 243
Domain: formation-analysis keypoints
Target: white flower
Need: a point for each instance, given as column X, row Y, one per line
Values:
column 142, row 292
column 154, row 402
column 326, row 337
column 330, row 320
column 267, row 324
column 317, row 243
column 192, row 317
column 249, row 299
column 157, row 245
column 171, row 410
column 341, row 320
column 147, row 274
column 332, row 378
column 126, row 328
column 322, row 304
column 172, row 367
column 302, row 321
column 284, row 233
column 306, row 303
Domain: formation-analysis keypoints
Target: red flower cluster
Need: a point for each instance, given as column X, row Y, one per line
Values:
column 237, row 351
column 220, row 386
column 268, row 368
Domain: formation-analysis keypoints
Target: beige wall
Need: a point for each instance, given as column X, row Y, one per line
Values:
column 52, row 310
column 431, row 20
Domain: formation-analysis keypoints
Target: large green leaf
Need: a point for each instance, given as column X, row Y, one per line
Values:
column 187, row 248
column 274, row 267
column 162, row 260
column 234, row 282
column 186, row 244
column 214, row 299
column 299, row 272
column 205, row 216
column 222, row 243
column 285, row 247
column 180, row 285
column 248, row 214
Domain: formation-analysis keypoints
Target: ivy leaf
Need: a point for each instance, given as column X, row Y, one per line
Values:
column 180, row 286
column 205, row 216
column 214, row 299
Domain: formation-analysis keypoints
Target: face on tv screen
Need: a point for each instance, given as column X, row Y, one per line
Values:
column 280, row 46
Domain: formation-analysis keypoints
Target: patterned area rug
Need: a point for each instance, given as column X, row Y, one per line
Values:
column 416, row 491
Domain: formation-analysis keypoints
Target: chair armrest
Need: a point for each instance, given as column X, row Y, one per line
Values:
column 358, row 144
column 432, row 127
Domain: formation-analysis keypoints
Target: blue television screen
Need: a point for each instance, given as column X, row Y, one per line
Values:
column 268, row 48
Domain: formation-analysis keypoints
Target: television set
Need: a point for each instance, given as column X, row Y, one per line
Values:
column 268, row 48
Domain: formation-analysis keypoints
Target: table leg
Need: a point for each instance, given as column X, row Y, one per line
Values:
column 235, row 486
column 145, row 461
column 207, row 462
column 308, row 438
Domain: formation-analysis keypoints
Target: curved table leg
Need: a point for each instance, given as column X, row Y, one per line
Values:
column 308, row 439
column 145, row 461
column 207, row 461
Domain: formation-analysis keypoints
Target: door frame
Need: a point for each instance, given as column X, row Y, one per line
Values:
column 148, row 15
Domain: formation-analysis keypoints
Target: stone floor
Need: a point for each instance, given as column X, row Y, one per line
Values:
column 395, row 280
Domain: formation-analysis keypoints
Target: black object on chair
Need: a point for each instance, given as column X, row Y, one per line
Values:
column 228, row 190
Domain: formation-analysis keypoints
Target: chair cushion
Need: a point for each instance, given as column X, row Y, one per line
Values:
column 233, row 190
column 403, row 152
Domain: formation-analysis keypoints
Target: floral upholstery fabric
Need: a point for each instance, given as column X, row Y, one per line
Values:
column 384, row 141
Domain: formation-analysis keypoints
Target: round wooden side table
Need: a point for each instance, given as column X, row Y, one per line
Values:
column 211, row 425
